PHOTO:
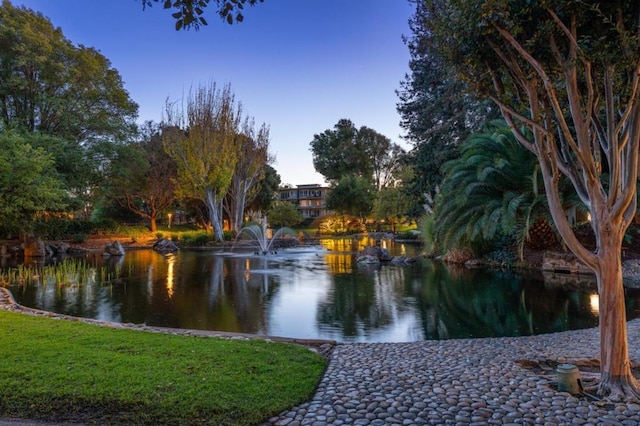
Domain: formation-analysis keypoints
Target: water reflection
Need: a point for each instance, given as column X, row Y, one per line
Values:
column 320, row 293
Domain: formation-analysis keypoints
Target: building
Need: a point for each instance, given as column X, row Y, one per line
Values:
column 310, row 199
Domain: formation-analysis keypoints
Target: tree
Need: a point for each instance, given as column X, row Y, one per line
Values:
column 284, row 213
column 266, row 191
column 53, row 87
column 49, row 86
column 252, row 159
column 346, row 150
column 493, row 189
column 208, row 152
column 568, row 73
column 436, row 110
column 28, row 183
column 385, row 156
column 390, row 205
column 336, row 153
column 142, row 176
column 189, row 13
column 353, row 195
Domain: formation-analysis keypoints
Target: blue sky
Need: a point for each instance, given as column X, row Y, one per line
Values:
column 297, row 65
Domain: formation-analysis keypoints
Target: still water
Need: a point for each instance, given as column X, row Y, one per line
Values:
column 319, row 293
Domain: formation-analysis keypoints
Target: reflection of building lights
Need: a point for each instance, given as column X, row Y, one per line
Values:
column 171, row 261
column 594, row 302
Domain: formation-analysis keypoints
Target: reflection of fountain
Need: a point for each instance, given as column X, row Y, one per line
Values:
column 258, row 236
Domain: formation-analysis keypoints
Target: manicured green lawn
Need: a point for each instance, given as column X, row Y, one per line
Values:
column 59, row 370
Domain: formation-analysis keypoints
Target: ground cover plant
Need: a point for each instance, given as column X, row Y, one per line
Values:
column 58, row 370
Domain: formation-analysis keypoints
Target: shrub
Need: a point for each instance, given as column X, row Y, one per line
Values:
column 196, row 239
column 79, row 238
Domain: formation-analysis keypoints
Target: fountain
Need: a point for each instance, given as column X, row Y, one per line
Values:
column 258, row 236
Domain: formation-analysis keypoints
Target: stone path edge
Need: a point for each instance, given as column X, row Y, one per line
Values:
column 8, row 303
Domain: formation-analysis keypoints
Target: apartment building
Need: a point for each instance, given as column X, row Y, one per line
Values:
column 309, row 198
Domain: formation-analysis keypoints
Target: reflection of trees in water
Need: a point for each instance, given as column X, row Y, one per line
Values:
column 229, row 293
column 235, row 298
column 462, row 303
column 362, row 301
column 457, row 303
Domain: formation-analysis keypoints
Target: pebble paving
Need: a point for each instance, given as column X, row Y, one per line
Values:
column 461, row 382
column 455, row 382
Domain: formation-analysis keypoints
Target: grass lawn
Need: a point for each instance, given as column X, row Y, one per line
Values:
column 59, row 370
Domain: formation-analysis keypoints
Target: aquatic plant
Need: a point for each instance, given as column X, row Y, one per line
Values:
column 72, row 272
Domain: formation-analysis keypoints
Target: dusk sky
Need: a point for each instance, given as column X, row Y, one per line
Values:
column 297, row 65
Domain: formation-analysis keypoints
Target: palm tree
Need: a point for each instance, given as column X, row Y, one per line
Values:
column 493, row 189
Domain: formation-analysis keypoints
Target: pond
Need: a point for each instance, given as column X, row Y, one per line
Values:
column 316, row 293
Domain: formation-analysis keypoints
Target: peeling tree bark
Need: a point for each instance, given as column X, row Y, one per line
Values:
column 617, row 382
column 571, row 143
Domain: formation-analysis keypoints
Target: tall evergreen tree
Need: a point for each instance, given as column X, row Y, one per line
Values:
column 436, row 109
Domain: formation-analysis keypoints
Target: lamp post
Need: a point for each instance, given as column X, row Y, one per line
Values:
column 169, row 215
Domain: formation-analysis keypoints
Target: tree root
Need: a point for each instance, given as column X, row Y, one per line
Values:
column 619, row 391
column 607, row 389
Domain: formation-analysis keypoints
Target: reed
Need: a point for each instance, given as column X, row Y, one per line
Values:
column 74, row 272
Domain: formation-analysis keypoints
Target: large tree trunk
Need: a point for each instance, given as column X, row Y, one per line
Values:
column 238, row 218
column 616, row 378
column 152, row 223
column 214, row 207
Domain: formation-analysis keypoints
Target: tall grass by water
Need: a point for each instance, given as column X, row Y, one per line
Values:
column 73, row 272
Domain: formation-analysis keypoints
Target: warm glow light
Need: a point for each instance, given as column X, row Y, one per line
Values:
column 171, row 260
column 594, row 302
column 589, row 217
column 169, row 215
column 247, row 270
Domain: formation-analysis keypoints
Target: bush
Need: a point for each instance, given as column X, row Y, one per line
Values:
column 79, row 238
column 61, row 227
column 458, row 255
column 501, row 257
column 105, row 227
column 196, row 239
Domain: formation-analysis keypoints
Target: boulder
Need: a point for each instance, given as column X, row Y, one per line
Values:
column 114, row 249
column 381, row 253
column 403, row 260
column 367, row 259
column 165, row 246
column 565, row 263
column 34, row 247
column 59, row 248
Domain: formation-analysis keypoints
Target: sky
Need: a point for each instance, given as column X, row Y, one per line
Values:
column 298, row 66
